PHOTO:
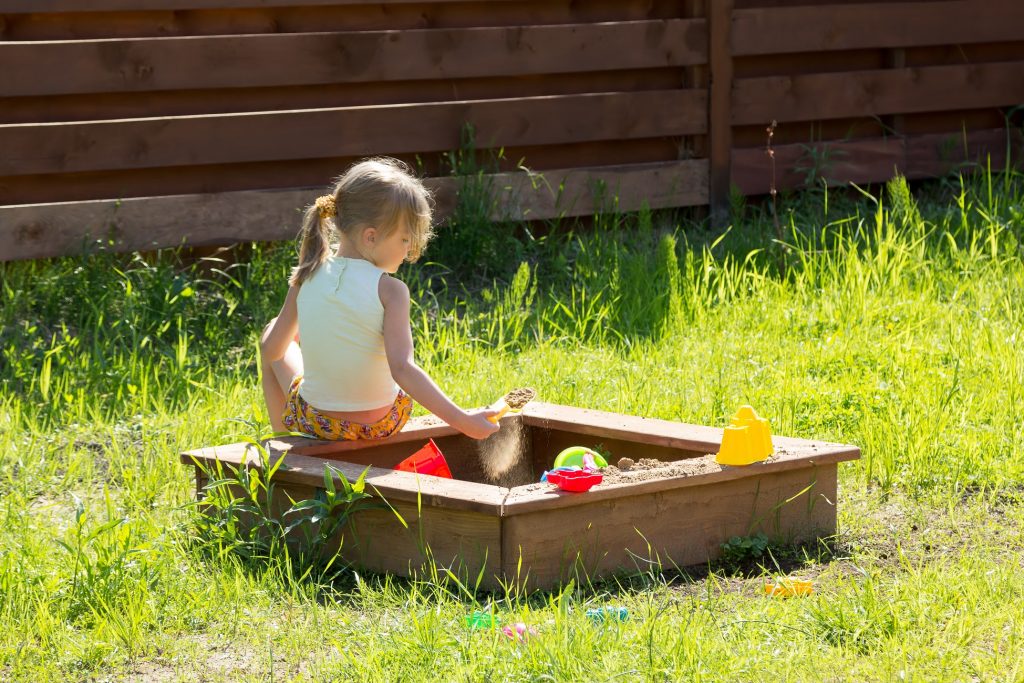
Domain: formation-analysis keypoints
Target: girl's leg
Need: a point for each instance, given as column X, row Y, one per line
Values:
column 277, row 379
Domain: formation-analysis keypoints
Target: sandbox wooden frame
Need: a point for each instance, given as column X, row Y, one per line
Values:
column 540, row 538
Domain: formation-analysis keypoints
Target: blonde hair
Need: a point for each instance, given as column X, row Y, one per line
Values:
column 376, row 192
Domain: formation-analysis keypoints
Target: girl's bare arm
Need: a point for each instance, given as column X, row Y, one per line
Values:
column 282, row 330
column 413, row 380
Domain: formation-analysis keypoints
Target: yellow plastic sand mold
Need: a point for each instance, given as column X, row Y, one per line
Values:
column 789, row 588
column 747, row 439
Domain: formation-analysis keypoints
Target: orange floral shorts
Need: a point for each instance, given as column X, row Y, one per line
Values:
column 299, row 416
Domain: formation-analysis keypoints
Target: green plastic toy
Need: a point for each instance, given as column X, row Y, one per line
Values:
column 574, row 456
column 479, row 620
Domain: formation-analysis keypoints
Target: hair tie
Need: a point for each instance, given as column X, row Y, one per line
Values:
column 325, row 205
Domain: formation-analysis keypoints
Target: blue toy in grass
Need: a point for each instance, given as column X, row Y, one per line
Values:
column 608, row 612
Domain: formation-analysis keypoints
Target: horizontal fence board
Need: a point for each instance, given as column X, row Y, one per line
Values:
column 101, row 66
column 812, row 97
column 173, row 180
column 791, row 64
column 870, row 161
column 54, row 6
column 130, row 105
column 822, row 27
column 800, row 132
column 352, row 131
column 938, row 55
column 583, row 191
column 326, row 17
column 47, row 230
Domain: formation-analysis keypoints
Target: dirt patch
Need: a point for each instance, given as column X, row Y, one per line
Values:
column 201, row 659
column 883, row 532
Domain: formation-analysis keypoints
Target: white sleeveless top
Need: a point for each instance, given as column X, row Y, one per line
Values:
column 341, row 333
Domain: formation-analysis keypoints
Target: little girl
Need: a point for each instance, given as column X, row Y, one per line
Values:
column 355, row 376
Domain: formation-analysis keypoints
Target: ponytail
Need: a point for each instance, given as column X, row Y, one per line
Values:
column 315, row 246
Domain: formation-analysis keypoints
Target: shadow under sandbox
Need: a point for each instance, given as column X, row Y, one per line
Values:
column 494, row 520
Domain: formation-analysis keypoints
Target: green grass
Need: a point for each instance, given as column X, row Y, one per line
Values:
column 890, row 324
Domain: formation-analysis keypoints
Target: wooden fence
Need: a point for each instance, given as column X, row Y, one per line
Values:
column 162, row 122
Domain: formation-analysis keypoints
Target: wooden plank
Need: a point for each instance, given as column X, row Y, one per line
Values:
column 329, row 17
column 812, row 97
column 584, row 191
column 822, row 27
column 128, row 105
column 874, row 160
column 35, row 231
column 464, row 455
column 299, row 173
column 600, row 423
column 939, row 55
column 646, row 430
column 460, row 541
column 348, row 131
column 720, row 107
column 666, row 529
column 406, row 539
column 391, row 484
column 415, row 431
column 152, row 64
column 47, row 230
column 790, row 454
column 55, row 6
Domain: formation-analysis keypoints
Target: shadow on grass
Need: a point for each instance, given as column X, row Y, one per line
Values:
column 351, row 586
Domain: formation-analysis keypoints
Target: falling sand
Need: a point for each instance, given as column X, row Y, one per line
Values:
column 502, row 452
column 503, row 456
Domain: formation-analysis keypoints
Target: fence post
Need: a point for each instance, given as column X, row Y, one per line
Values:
column 720, row 108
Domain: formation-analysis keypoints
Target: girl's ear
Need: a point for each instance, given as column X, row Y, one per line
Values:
column 370, row 235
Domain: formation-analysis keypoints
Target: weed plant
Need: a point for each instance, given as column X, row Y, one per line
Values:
column 237, row 514
column 469, row 246
column 881, row 321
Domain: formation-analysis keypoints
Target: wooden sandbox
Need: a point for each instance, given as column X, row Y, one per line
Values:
column 517, row 530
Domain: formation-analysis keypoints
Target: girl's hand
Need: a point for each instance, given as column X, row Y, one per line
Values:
column 474, row 423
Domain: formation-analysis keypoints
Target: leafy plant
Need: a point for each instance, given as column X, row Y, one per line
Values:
column 902, row 206
column 741, row 550
column 236, row 514
column 108, row 562
column 321, row 518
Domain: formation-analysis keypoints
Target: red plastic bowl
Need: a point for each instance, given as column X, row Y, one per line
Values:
column 577, row 482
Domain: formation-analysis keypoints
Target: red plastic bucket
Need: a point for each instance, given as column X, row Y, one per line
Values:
column 427, row 460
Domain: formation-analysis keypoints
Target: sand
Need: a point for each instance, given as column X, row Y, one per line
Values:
column 628, row 471
column 645, row 469
column 517, row 398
